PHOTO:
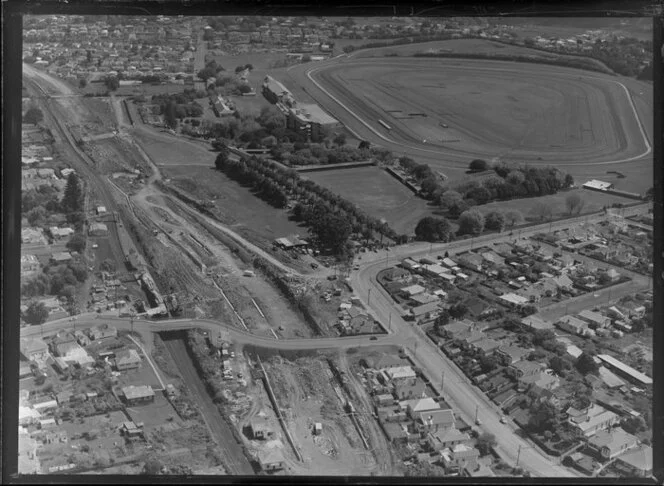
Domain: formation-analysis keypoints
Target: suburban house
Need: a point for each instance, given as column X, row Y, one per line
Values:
column 271, row 460
column 608, row 445
column 514, row 301
column 61, row 257
column 409, row 388
column 136, row 395
column 471, row 260
column 446, row 437
column 572, row 325
column 526, row 368
column 397, row 274
column 417, row 405
column 594, row 318
column 398, row 373
column 485, row 346
column 458, row 329
column 410, row 264
column 541, row 380
column 511, row 354
column 425, row 311
column 493, row 258
column 72, row 351
column 81, row 338
column 459, row 458
column 127, row 359
column 29, row 264
column 536, row 322
column 34, row 348
column 637, row 462
column 60, row 233
column 588, row 422
column 412, row 290
column 32, row 236
column 434, row 420
column 103, row 331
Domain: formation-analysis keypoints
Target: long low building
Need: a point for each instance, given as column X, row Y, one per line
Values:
column 625, row 370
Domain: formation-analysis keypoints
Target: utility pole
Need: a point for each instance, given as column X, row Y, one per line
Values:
column 369, row 298
column 477, row 407
column 442, row 384
column 518, row 455
column 389, row 323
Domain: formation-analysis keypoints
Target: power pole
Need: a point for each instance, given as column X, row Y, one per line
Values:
column 476, row 410
column 518, row 455
column 442, row 384
column 369, row 298
column 389, row 323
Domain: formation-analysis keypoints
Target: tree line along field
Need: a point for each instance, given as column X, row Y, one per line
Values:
column 491, row 109
column 377, row 193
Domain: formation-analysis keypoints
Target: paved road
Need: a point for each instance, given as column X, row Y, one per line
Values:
column 446, row 377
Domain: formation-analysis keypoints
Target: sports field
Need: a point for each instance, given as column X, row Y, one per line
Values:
column 377, row 193
column 491, row 109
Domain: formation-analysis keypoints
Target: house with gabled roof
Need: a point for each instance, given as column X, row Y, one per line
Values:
column 591, row 420
column 434, row 420
column 609, row 444
column 459, row 458
column 526, row 368
column 438, row 440
column 493, row 258
column 470, row 260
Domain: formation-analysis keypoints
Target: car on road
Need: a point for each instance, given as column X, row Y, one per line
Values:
column 95, row 245
column 373, row 338
column 478, row 422
column 503, row 420
column 314, row 266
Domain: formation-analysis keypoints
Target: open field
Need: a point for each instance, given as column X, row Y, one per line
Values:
column 174, row 151
column 236, row 204
column 377, row 193
column 469, row 46
column 540, row 113
column 522, row 128
column 593, row 201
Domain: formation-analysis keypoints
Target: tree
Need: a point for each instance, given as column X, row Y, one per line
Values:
column 542, row 210
column 485, row 442
column 36, row 313
column 170, row 115
column 471, row 222
column 543, row 417
column 513, row 217
column 458, row 311
column 340, row 139
column 73, row 196
column 479, row 165
column 36, row 216
column 495, row 220
column 574, row 203
column 433, row 229
column 364, row 145
column 112, row 83
column 82, row 83
column 585, row 364
column 34, row 115
column 152, row 467
column 569, row 181
column 77, row 243
column 560, row 365
column 633, row 425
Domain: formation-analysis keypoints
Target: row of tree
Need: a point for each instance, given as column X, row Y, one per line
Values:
column 330, row 218
column 257, row 175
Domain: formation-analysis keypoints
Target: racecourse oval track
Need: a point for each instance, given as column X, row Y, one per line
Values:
column 493, row 109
